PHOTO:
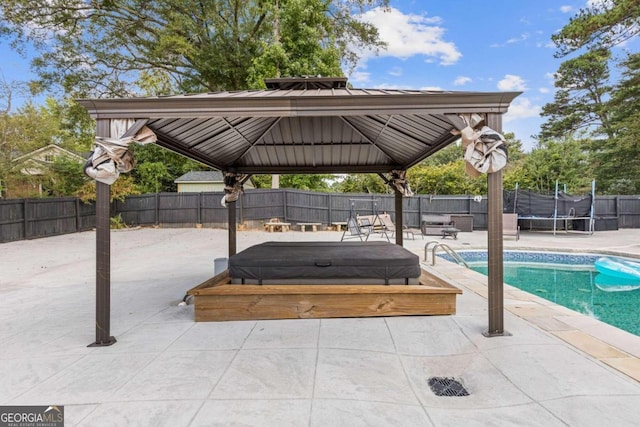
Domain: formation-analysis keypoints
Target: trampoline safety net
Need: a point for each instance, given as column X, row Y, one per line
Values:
column 529, row 204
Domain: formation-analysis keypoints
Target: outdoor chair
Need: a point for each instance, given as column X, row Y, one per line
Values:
column 374, row 224
column 510, row 225
column 391, row 227
column 356, row 231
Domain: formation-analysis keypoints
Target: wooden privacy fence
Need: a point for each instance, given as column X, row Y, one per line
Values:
column 188, row 209
column 32, row 218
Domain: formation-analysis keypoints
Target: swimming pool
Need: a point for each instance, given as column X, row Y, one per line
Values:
column 566, row 279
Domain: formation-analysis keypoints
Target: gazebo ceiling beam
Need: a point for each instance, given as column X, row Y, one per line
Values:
column 387, row 125
column 439, row 144
column 366, row 138
column 207, row 139
column 237, row 132
column 256, row 170
column 266, row 131
column 172, row 144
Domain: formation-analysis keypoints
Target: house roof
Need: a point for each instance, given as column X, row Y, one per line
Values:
column 51, row 147
column 310, row 125
column 200, row 176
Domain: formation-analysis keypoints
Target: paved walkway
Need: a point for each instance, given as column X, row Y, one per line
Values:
column 558, row 368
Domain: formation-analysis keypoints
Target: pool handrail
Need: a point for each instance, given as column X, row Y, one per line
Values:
column 448, row 249
column 426, row 247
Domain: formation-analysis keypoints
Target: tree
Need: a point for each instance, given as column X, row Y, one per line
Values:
column 514, row 148
column 64, row 178
column 448, row 178
column 449, row 154
column 100, row 48
column 7, row 142
column 564, row 161
column 361, row 183
column 307, row 182
column 151, row 176
column 157, row 168
column 602, row 25
column 293, row 49
column 26, row 130
column 579, row 103
column 119, row 47
column 625, row 98
column 616, row 159
column 123, row 187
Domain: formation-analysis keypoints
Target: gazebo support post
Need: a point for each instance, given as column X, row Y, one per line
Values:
column 103, row 256
column 231, row 210
column 399, row 217
column 495, row 245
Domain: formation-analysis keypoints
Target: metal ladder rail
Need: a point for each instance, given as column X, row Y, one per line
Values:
column 448, row 249
column 426, row 247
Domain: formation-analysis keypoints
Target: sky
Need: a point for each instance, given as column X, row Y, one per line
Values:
column 470, row 45
column 452, row 45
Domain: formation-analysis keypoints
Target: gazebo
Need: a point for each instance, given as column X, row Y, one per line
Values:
column 302, row 125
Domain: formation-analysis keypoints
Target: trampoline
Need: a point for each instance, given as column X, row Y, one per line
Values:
column 561, row 208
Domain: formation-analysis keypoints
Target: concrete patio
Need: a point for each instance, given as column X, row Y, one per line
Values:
column 558, row 367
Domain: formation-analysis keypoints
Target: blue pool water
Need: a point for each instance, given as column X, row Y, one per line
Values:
column 569, row 280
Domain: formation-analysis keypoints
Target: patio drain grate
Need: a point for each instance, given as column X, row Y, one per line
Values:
column 449, row 387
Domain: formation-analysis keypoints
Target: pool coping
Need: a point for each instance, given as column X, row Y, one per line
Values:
column 608, row 344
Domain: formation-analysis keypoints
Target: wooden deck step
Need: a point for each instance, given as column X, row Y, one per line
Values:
column 218, row 300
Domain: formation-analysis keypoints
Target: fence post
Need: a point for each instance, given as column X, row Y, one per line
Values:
column 24, row 218
column 157, row 208
column 284, row 204
column 26, row 208
column 77, row 204
column 200, row 208
column 330, row 201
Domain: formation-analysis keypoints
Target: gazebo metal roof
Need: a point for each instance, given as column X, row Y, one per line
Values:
column 309, row 125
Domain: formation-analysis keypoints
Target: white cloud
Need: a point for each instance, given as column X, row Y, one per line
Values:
column 360, row 77
column 511, row 82
column 434, row 88
column 519, row 39
column 409, row 35
column 396, row 71
column 512, row 40
column 544, row 90
column 566, row 9
column 521, row 108
column 392, row 86
column 461, row 81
